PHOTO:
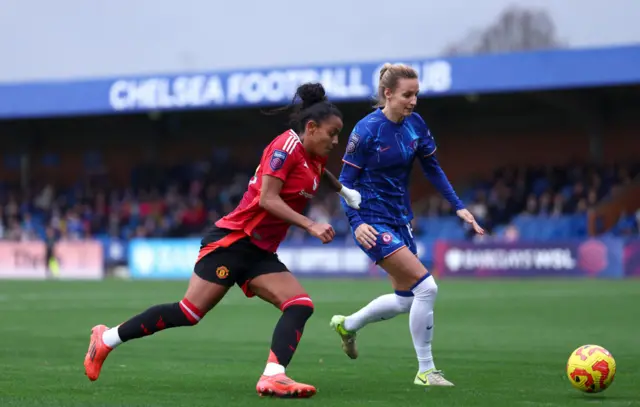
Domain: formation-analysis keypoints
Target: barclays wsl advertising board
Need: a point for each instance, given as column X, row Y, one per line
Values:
column 590, row 258
column 512, row 72
column 174, row 259
column 600, row 258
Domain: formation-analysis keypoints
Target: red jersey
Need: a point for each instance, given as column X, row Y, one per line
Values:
column 284, row 158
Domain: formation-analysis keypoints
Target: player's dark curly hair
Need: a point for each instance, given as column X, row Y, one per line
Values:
column 309, row 103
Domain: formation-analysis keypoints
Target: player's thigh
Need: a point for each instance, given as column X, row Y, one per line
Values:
column 272, row 282
column 277, row 288
column 203, row 294
column 404, row 268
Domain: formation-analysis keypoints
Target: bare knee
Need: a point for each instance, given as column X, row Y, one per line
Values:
column 282, row 299
column 280, row 289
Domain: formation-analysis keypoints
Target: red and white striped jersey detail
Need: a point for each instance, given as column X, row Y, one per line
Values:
column 292, row 141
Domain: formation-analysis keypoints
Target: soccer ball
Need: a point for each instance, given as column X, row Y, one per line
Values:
column 591, row 368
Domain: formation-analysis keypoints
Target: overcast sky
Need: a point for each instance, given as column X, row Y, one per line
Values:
column 42, row 39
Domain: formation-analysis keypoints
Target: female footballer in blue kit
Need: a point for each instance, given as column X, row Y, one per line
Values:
column 377, row 163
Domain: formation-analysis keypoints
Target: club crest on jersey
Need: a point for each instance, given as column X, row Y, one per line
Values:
column 386, row 237
column 353, row 142
column 277, row 159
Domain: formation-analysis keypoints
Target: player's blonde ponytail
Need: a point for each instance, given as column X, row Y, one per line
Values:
column 384, row 70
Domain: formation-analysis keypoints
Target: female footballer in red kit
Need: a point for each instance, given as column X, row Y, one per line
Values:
column 241, row 247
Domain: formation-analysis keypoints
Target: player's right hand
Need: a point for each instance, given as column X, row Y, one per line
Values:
column 322, row 231
column 366, row 236
column 465, row 215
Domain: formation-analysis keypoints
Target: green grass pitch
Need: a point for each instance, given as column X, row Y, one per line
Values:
column 503, row 343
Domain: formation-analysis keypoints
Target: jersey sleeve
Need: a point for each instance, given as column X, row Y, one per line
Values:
column 281, row 157
column 356, row 153
column 431, row 166
column 426, row 143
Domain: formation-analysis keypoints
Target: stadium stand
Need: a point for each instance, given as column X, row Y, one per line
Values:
column 524, row 203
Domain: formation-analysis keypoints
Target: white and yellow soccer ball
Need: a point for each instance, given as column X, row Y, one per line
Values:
column 591, row 368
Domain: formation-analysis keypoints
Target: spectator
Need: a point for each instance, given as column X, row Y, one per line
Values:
column 511, row 234
column 191, row 200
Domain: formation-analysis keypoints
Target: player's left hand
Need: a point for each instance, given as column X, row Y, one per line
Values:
column 351, row 197
column 466, row 216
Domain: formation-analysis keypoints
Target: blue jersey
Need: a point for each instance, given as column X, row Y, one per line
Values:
column 378, row 162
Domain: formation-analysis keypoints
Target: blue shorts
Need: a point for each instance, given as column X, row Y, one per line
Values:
column 391, row 238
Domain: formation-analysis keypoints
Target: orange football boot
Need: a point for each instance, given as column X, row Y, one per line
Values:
column 96, row 354
column 281, row 386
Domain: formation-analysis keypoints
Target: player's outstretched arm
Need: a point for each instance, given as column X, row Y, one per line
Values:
column 271, row 202
column 332, row 181
column 351, row 196
column 435, row 174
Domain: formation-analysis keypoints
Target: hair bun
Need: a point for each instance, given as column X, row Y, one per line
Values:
column 384, row 69
column 311, row 93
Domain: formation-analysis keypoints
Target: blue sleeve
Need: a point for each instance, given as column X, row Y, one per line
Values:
column 433, row 171
column 426, row 143
column 354, row 161
column 437, row 177
column 356, row 153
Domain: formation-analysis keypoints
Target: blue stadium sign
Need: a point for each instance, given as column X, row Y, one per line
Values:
column 347, row 82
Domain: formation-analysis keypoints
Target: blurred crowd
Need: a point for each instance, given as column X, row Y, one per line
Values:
column 549, row 192
column 186, row 200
